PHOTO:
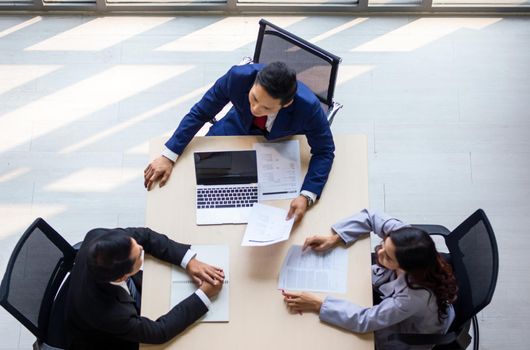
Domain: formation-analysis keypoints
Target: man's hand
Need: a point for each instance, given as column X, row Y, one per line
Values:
column 212, row 289
column 321, row 243
column 158, row 169
column 302, row 301
column 201, row 272
column 297, row 209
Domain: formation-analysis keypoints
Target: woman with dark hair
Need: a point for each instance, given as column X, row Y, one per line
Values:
column 414, row 287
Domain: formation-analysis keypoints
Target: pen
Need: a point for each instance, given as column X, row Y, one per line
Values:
column 283, row 293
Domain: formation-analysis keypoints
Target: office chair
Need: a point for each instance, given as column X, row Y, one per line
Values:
column 314, row 66
column 475, row 259
column 35, row 284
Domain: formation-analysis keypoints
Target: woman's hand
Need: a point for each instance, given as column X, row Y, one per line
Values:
column 321, row 243
column 302, row 301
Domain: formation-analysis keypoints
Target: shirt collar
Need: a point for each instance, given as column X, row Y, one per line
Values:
column 395, row 285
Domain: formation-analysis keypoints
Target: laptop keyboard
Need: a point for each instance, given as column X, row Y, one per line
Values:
column 229, row 197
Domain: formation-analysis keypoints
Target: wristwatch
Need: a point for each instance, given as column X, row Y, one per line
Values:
column 309, row 200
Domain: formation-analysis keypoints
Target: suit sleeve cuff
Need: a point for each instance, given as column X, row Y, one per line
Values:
column 169, row 154
column 190, row 254
column 204, row 298
column 310, row 195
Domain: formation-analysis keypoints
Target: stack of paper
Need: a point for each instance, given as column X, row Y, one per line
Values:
column 278, row 169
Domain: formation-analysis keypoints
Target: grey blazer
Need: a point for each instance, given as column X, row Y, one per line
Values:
column 402, row 309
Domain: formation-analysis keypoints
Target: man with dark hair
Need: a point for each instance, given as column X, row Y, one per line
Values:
column 266, row 101
column 279, row 81
column 103, row 302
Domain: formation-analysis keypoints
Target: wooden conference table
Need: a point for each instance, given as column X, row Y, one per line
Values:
column 258, row 316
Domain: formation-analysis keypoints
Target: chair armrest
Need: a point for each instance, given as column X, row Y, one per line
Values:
column 424, row 339
column 245, row 60
column 332, row 111
column 434, row 229
column 458, row 339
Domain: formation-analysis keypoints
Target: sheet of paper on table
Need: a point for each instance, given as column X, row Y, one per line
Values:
column 313, row 271
column 278, row 169
column 266, row 226
column 182, row 286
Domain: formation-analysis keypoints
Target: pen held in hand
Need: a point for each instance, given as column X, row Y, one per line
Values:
column 283, row 293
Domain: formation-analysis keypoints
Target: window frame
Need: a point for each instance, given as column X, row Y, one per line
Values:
column 232, row 7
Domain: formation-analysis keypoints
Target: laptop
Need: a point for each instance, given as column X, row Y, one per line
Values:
column 227, row 186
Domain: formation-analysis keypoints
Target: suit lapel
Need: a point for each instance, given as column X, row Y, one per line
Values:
column 118, row 292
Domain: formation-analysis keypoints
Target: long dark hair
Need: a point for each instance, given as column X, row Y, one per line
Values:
column 425, row 268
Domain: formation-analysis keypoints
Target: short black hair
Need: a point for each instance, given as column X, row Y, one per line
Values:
column 278, row 80
column 109, row 256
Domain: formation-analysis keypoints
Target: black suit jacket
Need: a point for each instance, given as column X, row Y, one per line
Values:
column 103, row 316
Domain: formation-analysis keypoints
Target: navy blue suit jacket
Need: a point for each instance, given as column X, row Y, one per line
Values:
column 303, row 117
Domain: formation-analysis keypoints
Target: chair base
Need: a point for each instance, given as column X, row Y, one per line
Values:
column 463, row 339
column 38, row 345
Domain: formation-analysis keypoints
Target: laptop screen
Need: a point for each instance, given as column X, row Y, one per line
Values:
column 226, row 168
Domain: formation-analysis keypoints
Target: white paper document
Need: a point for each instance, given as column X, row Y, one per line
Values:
column 278, row 169
column 312, row 271
column 266, row 226
column 182, row 286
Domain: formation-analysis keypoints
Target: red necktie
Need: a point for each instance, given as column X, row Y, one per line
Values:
column 260, row 122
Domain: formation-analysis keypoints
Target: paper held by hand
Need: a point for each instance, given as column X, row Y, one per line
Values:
column 313, row 271
column 266, row 226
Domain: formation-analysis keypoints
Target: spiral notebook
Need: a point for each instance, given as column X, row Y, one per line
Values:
column 182, row 286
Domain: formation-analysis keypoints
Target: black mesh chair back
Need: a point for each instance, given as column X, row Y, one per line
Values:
column 35, row 272
column 314, row 66
column 475, row 260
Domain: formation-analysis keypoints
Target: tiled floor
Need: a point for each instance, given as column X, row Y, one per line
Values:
column 444, row 101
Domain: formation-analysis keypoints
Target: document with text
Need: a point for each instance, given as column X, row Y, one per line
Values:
column 182, row 286
column 266, row 226
column 278, row 169
column 313, row 271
